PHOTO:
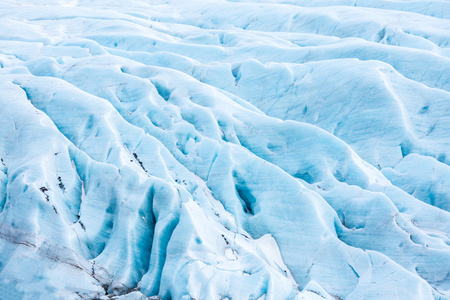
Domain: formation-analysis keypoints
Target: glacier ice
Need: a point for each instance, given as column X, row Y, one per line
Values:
column 224, row 149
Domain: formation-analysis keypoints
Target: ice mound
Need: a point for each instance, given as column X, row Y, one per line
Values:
column 224, row 149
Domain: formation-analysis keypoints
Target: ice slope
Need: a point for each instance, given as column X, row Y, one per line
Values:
column 224, row 149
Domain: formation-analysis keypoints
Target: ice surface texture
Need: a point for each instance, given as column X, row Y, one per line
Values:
column 224, row 149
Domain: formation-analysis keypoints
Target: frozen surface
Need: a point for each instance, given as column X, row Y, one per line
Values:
column 224, row 149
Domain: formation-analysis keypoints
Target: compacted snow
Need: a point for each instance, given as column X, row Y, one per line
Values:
column 216, row 149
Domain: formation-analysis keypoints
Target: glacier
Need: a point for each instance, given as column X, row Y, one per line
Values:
column 213, row 149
